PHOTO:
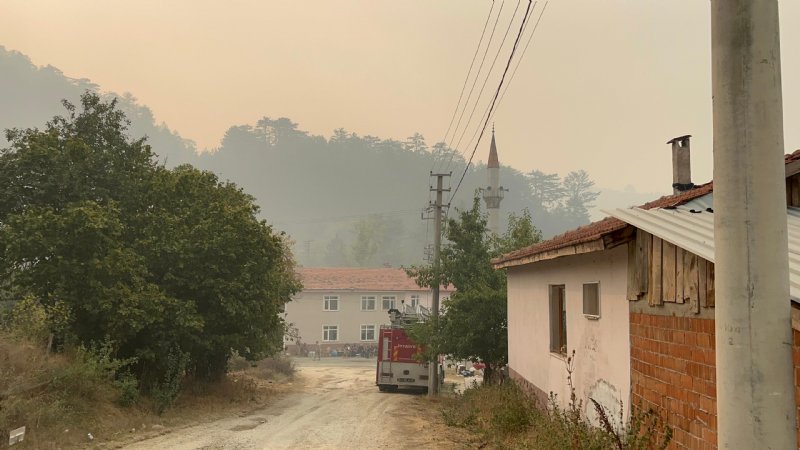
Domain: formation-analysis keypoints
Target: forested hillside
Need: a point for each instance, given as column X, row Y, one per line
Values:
column 31, row 95
column 345, row 200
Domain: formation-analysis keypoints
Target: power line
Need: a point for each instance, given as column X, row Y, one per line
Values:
column 464, row 87
column 496, row 95
column 477, row 74
column 511, row 78
column 522, row 55
column 489, row 74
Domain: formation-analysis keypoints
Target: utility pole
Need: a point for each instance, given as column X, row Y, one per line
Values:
column 755, row 389
column 433, row 369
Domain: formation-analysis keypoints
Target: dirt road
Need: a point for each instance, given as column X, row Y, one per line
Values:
column 337, row 406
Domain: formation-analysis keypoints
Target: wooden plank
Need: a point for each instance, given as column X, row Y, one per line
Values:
column 687, row 278
column 633, row 283
column 710, row 288
column 679, row 281
column 656, row 294
column 702, row 273
column 644, row 245
column 619, row 237
column 668, row 252
column 789, row 192
column 795, row 191
column 694, row 285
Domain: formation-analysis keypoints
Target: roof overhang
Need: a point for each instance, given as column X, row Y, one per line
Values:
column 693, row 230
column 609, row 240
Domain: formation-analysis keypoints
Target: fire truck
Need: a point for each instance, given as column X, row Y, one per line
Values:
column 398, row 366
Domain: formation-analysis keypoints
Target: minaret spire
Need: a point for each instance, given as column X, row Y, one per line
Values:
column 493, row 193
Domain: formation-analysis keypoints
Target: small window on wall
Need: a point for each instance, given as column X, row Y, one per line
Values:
column 368, row 303
column 330, row 303
column 387, row 302
column 591, row 300
column 558, row 319
column 414, row 301
column 367, row 332
column 330, row 333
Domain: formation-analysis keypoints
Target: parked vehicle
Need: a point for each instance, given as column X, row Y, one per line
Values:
column 398, row 364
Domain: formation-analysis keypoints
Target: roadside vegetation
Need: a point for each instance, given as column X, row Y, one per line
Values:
column 503, row 416
column 123, row 282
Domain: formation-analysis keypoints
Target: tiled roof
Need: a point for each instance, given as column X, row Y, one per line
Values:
column 357, row 279
column 597, row 230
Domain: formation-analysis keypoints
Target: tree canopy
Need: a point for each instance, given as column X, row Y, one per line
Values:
column 319, row 189
column 161, row 262
column 473, row 322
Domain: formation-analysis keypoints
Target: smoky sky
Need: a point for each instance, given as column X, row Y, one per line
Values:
column 603, row 86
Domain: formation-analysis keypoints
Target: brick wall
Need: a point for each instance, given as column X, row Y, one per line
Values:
column 673, row 370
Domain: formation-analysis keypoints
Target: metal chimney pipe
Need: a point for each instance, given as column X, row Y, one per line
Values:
column 681, row 164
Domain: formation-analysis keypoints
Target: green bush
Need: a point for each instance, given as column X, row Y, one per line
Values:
column 128, row 387
column 90, row 367
column 166, row 391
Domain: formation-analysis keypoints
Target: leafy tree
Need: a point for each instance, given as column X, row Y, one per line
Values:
column 579, row 196
column 173, row 266
column 473, row 322
column 520, row 233
column 416, row 143
column 546, row 189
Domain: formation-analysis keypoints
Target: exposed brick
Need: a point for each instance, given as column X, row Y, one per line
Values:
column 674, row 370
column 704, row 340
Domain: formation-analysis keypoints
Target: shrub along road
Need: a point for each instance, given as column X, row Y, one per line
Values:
column 336, row 406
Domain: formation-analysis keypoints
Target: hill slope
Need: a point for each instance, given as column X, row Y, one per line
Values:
column 347, row 200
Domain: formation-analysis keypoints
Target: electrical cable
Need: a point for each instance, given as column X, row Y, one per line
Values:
column 466, row 80
column 489, row 74
column 477, row 74
column 511, row 79
column 494, row 100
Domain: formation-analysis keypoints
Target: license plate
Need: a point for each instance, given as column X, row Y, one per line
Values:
column 406, row 380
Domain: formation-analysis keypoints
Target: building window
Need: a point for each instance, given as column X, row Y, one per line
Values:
column 368, row 303
column 414, row 301
column 330, row 333
column 387, row 302
column 367, row 332
column 558, row 319
column 591, row 300
column 330, row 303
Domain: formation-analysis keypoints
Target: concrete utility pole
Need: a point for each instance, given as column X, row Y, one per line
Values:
column 433, row 369
column 755, row 389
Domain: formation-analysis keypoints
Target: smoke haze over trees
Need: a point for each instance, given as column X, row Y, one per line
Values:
column 347, row 200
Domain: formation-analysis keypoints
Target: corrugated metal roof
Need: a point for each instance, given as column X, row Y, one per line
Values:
column 701, row 203
column 694, row 231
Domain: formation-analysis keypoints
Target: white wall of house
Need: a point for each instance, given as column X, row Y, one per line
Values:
column 307, row 312
column 602, row 351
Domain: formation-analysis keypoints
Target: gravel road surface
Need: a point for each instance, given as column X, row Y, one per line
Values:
column 337, row 406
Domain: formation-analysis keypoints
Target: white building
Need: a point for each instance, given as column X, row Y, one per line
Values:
column 342, row 307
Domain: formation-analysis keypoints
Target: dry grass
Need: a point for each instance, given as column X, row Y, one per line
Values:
column 55, row 402
column 60, row 400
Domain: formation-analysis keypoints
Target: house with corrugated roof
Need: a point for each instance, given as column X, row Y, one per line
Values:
column 342, row 308
column 633, row 297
